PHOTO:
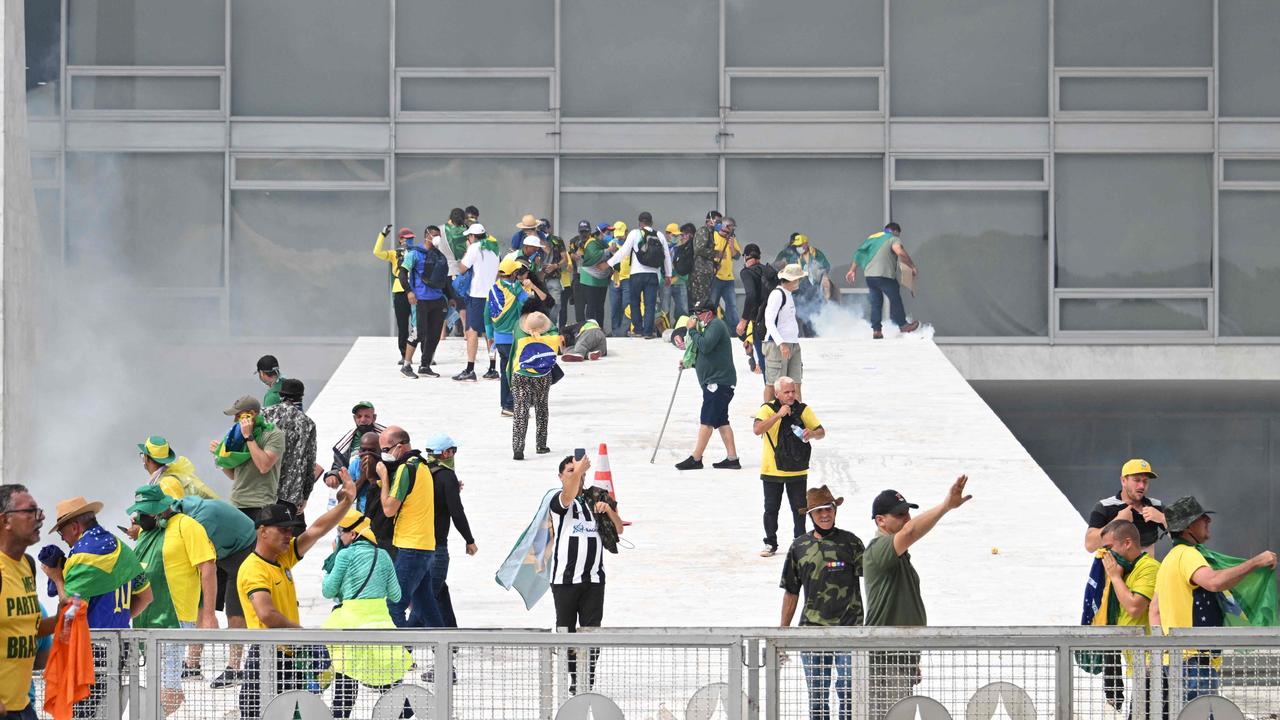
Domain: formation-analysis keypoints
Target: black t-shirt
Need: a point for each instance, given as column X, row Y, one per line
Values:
column 1107, row 509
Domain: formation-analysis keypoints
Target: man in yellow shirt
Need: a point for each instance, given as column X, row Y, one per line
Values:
column 1187, row 590
column 787, row 426
column 727, row 250
column 1127, row 594
column 268, row 595
column 411, row 500
column 20, row 623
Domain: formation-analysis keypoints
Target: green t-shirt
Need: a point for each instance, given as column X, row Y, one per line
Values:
column 885, row 262
column 893, row 587
column 272, row 396
column 593, row 253
column 252, row 489
column 827, row 569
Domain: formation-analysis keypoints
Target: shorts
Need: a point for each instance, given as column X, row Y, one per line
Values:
column 174, row 654
column 231, row 564
column 475, row 314
column 776, row 366
column 715, row 405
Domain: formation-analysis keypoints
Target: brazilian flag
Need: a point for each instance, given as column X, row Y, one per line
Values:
column 233, row 451
column 1252, row 602
column 99, row 565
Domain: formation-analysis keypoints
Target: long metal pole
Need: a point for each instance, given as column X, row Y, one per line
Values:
column 668, row 417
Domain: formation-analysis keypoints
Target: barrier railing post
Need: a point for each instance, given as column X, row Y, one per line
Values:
column 113, row 685
column 152, row 704
column 771, row 681
column 753, row 679
column 734, row 679
column 444, row 680
column 1064, row 683
column 546, row 683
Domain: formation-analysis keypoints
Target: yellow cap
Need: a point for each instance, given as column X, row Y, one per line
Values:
column 800, row 240
column 619, row 227
column 358, row 522
column 508, row 267
column 673, row 229
column 1137, row 466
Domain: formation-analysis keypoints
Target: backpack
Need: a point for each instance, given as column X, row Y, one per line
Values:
column 790, row 453
column 604, row 524
column 682, row 259
column 431, row 267
column 649, row 250
column 768, row 283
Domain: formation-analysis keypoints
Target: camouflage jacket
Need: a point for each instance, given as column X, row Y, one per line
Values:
column 828, row 570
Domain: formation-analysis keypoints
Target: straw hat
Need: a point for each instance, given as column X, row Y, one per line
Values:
column 72, row 507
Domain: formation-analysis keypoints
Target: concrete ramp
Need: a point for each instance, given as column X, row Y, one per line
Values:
column 897, row 414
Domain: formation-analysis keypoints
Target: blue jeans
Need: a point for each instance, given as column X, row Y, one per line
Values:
column 723, row 290
column 619, row 298
column 675, row 299
column 413, row 570
column 440, row 585
column 818, row 668
column 880, row 287
column 644, row 292
column 1199, row 677
column 504, row 360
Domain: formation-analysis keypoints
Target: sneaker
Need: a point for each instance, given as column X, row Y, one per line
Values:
column 727, row 464
column 189, row 671
column 877, row 335
column 543, row 450
column 571, row 357
column 651, row 336
column 465, row 376
column 595, row 355
column 517, row 455
column 491, row 375
column 408, row 372
column 428, row 372
column 227, row 678
column 751, row 363
column 910, row 327
column 768, row 551
column 508, row 413
column 689, row 463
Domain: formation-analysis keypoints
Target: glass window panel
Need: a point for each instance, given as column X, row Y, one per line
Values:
column 1249, row 248
column 49, row 214
column 640, row 172
column 804, row 33
column 607, row 71
column 44, row 167
column 970, row 58
column 503, row 188
column 791, row 94
column 836, row 202
column 151, row 219
column 1133, row 314
column 475, row 94
column 310, row 58
column 291, row 251
column 596, row 208
column 515, row 34
column 1248, row 55
column 969, row 170
column 1251, row 170
column 311, row 169
column 1134, row 221
column 1084, row 94
column 146, row 93
column 145, row 32
column 43, row 25
column 968, row 238
column 1133, row 33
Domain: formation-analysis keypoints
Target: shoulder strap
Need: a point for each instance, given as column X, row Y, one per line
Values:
column 372, row 566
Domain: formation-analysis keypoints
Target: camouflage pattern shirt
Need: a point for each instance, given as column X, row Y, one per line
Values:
column 827, row 569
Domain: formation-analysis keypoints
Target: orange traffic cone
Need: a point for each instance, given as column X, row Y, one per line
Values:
column 604, row 476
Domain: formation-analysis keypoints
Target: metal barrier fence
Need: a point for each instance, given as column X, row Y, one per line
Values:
column 693, row 673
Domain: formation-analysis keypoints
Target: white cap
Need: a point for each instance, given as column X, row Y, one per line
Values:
column 476, row 229
column 532, row 240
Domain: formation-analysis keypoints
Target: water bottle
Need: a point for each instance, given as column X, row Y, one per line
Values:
column 333, row 498
column 799, row 432
column 70, row 616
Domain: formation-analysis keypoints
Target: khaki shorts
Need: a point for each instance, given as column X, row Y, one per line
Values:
column 776, row 366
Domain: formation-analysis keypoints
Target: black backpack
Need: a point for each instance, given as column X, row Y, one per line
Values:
column 768, row 283
column 790, row 453
column 682, row 259
column 649, row 249
column 604, row 524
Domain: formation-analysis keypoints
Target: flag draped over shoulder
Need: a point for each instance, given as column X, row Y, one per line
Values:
column 528, row 566
column 870, row 247
column 99, row 564
column 1252, row 602
column 233, row 452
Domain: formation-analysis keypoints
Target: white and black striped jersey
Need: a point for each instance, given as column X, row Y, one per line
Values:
column 579, row 552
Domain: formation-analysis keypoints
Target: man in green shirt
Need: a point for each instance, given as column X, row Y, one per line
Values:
column 593, row 275
column 269, row 373
column 879, row 256
column 710, row 352
column 893, row 587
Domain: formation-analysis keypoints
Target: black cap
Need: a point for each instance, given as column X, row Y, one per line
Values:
column 268, row 364
column 752, row 250
column 703, row 306
column 290, row 387
column 713, row 213
column 890, row 502
column 278, row 515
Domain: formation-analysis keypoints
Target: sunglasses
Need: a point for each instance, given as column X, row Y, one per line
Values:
column 393, row 447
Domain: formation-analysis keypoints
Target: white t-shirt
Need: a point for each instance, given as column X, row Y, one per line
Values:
column 485, row 266
column 780, row 317
column 632, row 244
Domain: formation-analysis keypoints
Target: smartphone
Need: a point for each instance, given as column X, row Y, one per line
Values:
column 579, row 453
column 123, row 529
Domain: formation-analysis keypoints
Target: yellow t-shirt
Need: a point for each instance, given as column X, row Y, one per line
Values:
column 416, row 520
column 186, row 545
column 258, row 574
column 623, row 271
column 1174, row 586
column 768, row 465
column 1142, row 581
column 725, row 270
column 18, row 624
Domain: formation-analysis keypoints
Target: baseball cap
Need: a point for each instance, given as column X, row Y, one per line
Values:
column 267, row 364
column 890, row 502
column 508, row 266
column 149, row 500
column 245, row 403
column 604, row 227
column 703, row 306
column 672, row 229
column 532, row 240
column 406, row 233
column 439, row 443
column 278, row 515
column 584, row 225
column 362, row 405
column 476, row 229
column 1138, row 466
column 752, row 250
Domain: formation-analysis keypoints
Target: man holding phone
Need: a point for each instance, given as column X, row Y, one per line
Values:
column 255, row 483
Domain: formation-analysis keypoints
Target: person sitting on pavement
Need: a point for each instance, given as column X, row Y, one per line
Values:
column 590, row 344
